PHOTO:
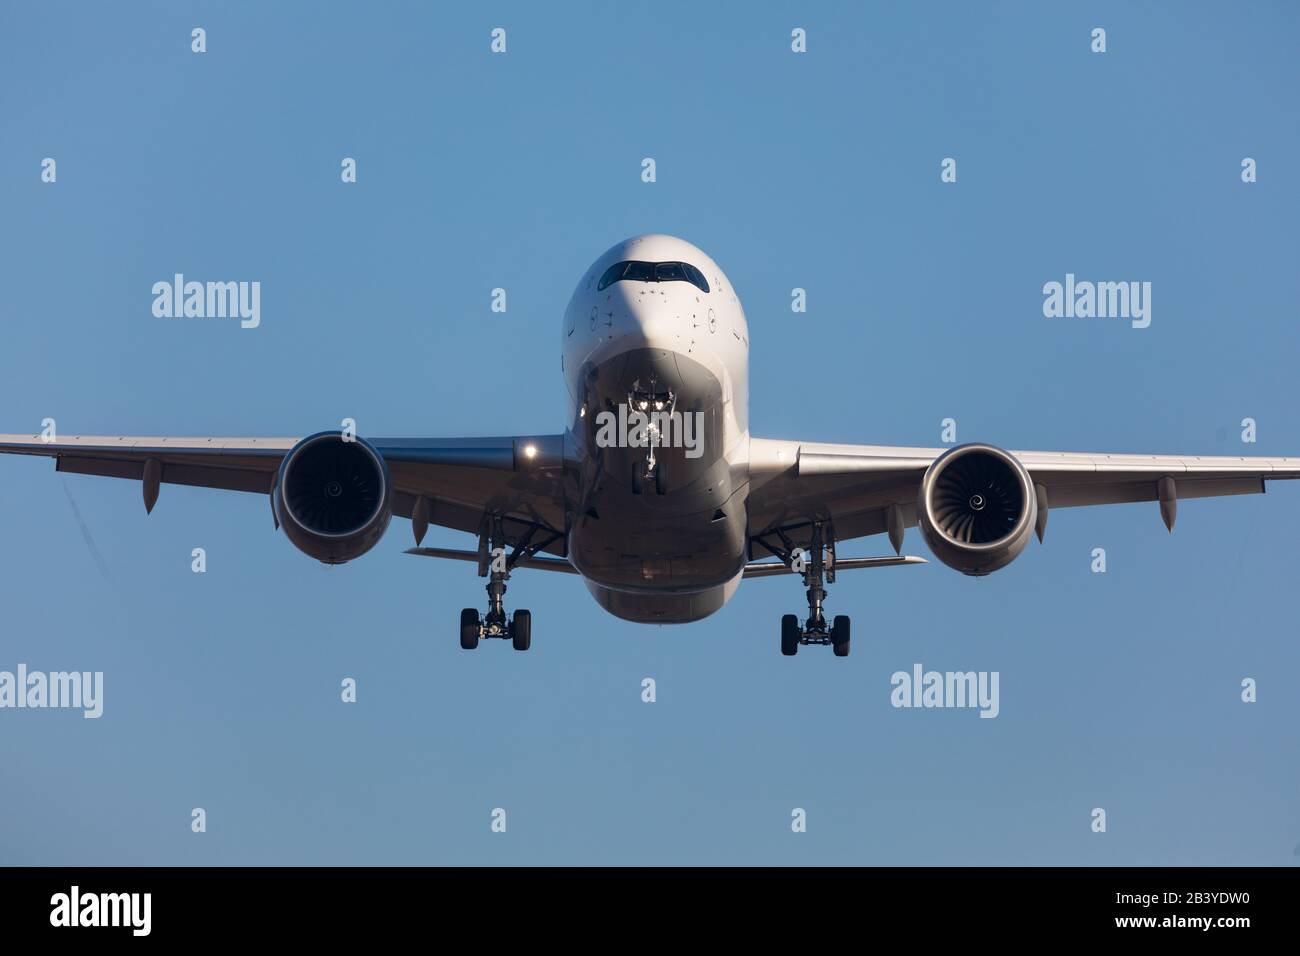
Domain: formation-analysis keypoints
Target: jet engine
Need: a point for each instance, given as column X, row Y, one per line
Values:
column 977, row 508
column 333, row 497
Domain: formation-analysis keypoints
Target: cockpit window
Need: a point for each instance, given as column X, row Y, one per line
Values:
column 654, row 272
column 612, row 275
column 696, row 277
column 640, row 271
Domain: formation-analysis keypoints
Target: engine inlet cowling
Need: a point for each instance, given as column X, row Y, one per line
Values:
column 977, row 508
column 333, row 497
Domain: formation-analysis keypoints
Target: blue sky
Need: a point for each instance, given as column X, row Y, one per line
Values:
column 821, row 171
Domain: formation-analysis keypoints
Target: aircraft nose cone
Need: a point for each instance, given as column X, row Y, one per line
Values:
column 658, row 315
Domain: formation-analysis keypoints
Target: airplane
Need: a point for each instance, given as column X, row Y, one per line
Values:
column 655, row 493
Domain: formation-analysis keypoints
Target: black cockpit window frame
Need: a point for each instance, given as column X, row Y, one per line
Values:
column 642, row 271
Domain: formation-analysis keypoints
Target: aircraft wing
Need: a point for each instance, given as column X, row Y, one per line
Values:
column 463, row 478
column 853, row 486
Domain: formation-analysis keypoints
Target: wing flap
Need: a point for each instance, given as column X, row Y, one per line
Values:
column 174, row 473
column 534, row 562
column 1113, row 492
column 767, row 569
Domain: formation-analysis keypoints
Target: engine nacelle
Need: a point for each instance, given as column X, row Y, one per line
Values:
column 977, row 508
column 332, row 497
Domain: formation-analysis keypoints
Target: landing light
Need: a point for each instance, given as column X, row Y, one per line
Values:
column 530, row 451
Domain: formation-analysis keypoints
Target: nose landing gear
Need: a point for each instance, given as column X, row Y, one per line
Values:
column 658, row 408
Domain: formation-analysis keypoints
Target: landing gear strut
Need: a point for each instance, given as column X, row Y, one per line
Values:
column 818, row 570
column 494, row 565
column 649, row 474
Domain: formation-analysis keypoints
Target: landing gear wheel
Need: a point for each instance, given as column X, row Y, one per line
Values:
column 641, row 482
column 789, row 635
column 840, row 635
column 469, row 626
column 521, row 630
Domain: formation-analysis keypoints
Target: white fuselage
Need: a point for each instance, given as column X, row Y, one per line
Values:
column 659, row 527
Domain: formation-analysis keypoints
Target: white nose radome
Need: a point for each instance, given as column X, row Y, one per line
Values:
column 664, row 313
column 655, row 329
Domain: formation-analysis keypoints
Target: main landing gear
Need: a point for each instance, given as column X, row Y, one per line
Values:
column 817, row 573
column 494, row 565
column 519, row 628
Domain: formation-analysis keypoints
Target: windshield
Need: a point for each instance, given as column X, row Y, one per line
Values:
column 653, row 272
